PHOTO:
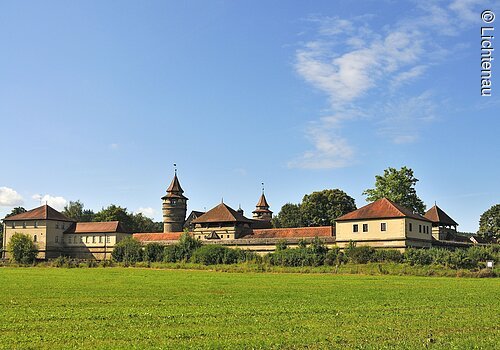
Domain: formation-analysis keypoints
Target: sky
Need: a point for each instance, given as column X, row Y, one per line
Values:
column 98, row 100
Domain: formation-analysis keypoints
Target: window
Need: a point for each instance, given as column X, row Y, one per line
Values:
column 81, row 239
column 100, row 239
column 227, row 236
column 57, row 225
column 24, row 224
column 410, row 226
column 57, row 239
column 63, row 226
column 355, row 228
column 35, row 224
column 173, row 201
column 34, row 238
column 365, row 227
column 13, row 225
column 87, row 239
column 419, row 228
column 108, row 239
column 383, row 226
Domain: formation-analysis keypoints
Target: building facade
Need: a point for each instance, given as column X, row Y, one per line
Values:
column 55, row 234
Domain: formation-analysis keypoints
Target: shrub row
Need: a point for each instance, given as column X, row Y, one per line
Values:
column 317, row 254
column 188, row 249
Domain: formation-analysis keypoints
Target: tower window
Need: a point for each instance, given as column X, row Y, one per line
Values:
column 173, row 201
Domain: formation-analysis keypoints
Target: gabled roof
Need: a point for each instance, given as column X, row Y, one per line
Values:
column 382, row 208
column 174, row 190
column 96, row 227
column 221, row 213
column 437, row 215
column 45, row 212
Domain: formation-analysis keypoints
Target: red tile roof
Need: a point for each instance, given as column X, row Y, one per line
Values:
column 382, row 208
column 44, row 212
column 298, row 232
column 221, row 213
column 96, row 227
column 437, row 215
column 153, row 237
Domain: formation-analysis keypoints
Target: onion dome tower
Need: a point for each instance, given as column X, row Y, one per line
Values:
column 174, row 206
column 262, row 211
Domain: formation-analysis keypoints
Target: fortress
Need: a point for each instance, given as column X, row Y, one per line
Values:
column 381, row 224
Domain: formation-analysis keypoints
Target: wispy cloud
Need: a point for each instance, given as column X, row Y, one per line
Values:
column 9, row 197
column 354, row 63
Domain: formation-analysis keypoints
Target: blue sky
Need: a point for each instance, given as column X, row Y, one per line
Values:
column 99, row 98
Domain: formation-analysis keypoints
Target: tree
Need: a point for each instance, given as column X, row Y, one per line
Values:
column 22, row 249
column 128, row 250
column 116, row 213
column 489, row 222
column 15, row 211
column 74, row 210
column 289, row 216
column 142, row 223
column 323, row 207
column 397, row 186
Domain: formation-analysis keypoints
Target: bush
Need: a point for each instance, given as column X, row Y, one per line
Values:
column 153, row 252
column 22, row 249
column 213, row 254
column 387, row 255
column 186, row 246
column 360, row 255
column 415, row 256
column 334, row 257
column 171, row 253
column 128, row 250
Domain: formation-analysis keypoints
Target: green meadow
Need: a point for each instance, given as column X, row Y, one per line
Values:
column 134, row 308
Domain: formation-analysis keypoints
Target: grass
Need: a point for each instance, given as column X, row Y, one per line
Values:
column 134, row 308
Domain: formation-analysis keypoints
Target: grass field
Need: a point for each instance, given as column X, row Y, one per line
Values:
column 131, row 308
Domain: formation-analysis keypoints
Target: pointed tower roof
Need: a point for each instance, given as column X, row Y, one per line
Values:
column 44, row 212
column 174, row 190
column 381, row 209
column 262, row 206
column 262, row 201
column 221, row 213
column 437, row 215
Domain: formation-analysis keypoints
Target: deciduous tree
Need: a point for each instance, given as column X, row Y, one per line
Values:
column 323, row 207
column 397, row 186
column 489, row 222
column 74, row 210
column 22, row 249
column 289, row 216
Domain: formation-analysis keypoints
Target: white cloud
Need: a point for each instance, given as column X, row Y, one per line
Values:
column 56, row 202
column 146, row 211
column 114, row 146
column 348, row 60
column 9, row 197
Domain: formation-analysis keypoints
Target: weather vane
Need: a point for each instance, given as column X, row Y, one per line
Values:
column 175, row 169
column 262, row 187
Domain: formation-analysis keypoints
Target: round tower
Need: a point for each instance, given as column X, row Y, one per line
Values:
column 262, row 211
column 174, row 207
